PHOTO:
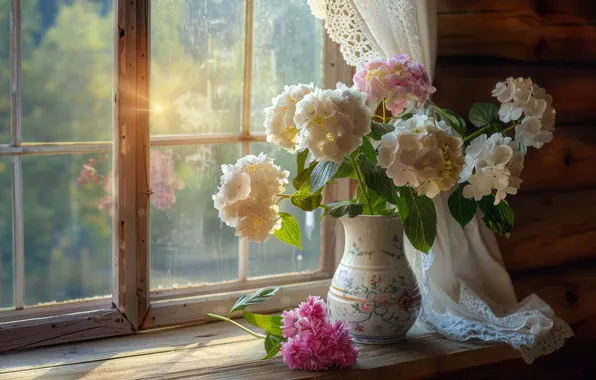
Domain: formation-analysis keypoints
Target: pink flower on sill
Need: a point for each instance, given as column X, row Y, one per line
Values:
column 311, row 326
column 340, row 346
column 315, row 344
column 289, row 318
column 313, row 307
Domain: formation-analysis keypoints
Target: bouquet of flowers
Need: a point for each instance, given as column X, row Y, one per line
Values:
column 403, row 150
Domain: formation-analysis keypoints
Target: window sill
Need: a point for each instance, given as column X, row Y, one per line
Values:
column 220, row 351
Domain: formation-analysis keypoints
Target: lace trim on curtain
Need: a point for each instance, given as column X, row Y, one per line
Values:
column 531, row 328
column 346, row 26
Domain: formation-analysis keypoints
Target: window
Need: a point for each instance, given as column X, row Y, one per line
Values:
column 114, row 120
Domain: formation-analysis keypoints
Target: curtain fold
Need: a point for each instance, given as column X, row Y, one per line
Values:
column 468, row 293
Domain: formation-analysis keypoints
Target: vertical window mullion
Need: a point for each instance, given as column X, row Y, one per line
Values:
column 17, row 174
column 246, row 106
column 131, row 145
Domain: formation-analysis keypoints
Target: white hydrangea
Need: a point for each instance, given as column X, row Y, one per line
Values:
column 279, row 118
column 332, row 123
column 492, row 164
column 247, row 195
column 421, row 153
column 521, row 97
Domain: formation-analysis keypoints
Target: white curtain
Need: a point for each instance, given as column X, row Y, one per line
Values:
column 468, row 293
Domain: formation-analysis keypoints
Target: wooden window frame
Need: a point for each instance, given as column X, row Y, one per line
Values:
column 134, row 306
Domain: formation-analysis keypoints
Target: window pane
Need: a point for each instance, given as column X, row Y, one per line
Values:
column 67, row 70
column 4, row 73
column 68, row 227
column 287, row 49
column 273, row 256
column 196, row 66
column 189, row 244
column 6, row 296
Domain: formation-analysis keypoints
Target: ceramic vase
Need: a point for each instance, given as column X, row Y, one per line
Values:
column 374, row 288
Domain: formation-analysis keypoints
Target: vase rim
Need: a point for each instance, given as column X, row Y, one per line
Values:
column 372, row 216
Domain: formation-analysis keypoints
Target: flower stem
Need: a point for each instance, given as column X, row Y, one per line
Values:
column 362, row 185
column 509, row 128
column 477, row 133
column 226, row 319
column 384, row 115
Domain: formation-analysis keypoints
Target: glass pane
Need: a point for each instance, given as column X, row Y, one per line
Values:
column 6, row 296
column 273, row 256
column 4, row 73
column 67, row 70
column 189, row 244
column 196, row 66
column 68, row 227
column 287, row 49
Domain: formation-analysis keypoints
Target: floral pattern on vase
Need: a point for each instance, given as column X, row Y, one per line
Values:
column 374, row 288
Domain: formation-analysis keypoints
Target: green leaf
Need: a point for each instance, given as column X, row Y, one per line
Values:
column 272, row 345
column 457, row 122
column 462, row 209
column 322, row 173
column 306, row 201
column 260, row 296
column 376, row 179
column 302, row 180
column 379, row 129
column 499, row 218
column 482, row 114
column 289, row 232
column 368, row 150
column 346, row 170
column 420, row 224
column 269, row 323
column 301, row 160
column 345, row 208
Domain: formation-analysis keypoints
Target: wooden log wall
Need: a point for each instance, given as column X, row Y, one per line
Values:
column 552, row 251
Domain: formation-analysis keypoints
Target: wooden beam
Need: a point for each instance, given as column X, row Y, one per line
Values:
column 551, row 228
column 460, row 85
column 131, row 224
column 65, row 328
column 526, row 30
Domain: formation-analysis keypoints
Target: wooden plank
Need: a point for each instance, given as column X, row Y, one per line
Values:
column 570, row 292
column 460, row 85
column 421, row 354
column 569, row 161
column 551, row 228
column 66, row 328
column 518, row 29
column 143, row 343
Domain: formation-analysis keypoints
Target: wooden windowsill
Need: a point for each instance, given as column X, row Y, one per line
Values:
column 220, row 351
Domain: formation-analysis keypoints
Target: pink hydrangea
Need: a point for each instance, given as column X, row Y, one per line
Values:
column 314, row 307
column 402, row 82
column 314, row 343
column 289, row 318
